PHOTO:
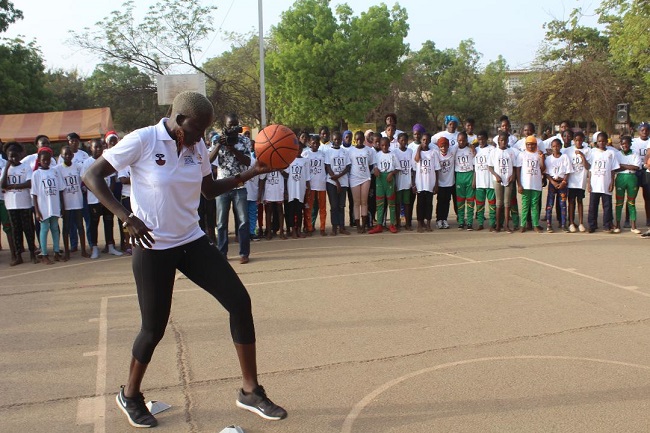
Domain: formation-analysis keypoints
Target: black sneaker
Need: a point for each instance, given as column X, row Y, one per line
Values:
column 257, row 402
column 136, row 411
column 461, row 226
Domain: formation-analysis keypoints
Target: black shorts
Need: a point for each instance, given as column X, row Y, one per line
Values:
column 576, row 193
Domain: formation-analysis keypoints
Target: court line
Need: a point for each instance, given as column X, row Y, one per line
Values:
column 632, row 289
column 365, row 401
column 54, row 268
column 365, row 248
column 329, row 277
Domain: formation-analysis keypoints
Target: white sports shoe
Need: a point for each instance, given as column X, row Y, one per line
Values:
column 582, row 228
column 439, row 224
column 572, row 228
column 617, row 230
column 445, row 224
column 95, row 253
column 113, row 251
column 636, row 231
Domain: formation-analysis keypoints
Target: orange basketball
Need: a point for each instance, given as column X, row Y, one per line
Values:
column 276, row 146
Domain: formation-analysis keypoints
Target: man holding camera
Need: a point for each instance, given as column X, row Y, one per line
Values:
column 233, row 156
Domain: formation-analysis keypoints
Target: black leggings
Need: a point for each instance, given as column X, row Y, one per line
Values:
column 22, row 223
column 204, row 265
column 425, row 206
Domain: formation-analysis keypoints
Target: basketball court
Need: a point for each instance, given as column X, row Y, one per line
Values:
column 446, row 331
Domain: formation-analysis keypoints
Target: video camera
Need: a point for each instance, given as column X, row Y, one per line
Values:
column 232, row 134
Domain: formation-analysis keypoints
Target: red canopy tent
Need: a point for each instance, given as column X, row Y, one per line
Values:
column 91, row 123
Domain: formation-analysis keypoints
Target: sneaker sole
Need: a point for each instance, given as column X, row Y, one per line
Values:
column 128, row 417
column 256, row 411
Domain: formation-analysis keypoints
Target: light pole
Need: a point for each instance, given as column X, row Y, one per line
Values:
column 262, row 78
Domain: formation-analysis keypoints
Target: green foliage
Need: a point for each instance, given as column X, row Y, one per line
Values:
column 22, row 79
column 331, row 69
column 440, row 82
column 8, row 14
column 67, row 89
column 129, row 93
column 628, row 24
column 237, row 89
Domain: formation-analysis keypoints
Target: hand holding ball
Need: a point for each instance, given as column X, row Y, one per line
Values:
column 276, row 146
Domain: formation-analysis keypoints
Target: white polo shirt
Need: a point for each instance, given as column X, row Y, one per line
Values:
column 165, row 187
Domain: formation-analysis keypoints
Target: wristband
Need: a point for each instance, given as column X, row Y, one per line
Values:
column 126, row 221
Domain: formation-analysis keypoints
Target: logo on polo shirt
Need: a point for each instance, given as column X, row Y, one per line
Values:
column 160, row 159
column 189, row 160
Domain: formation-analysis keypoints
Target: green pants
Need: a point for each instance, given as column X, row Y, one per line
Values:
column 465, row 197
column 626, row 183
column 483, row 194
column 530, row 200
column 385, row 190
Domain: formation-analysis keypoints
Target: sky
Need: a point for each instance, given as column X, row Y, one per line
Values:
column 511, row 28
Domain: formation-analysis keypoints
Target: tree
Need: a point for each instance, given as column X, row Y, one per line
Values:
column 169, row 35
column 627, row 24
column 129, row 93
column 574, row 78
column 440, row 82
column 238, row 88
column 67, row 89
column 327, row 69
column 8, row 15
column 22, row 79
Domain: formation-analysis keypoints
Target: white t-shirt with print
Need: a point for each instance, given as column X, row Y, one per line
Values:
column 451, row 136
column 18, row 198
column 338, row 160
column 640, row 147
column 484, row 178
column 425, row 170
column 386, row 162
column 273, row 186
column 3, row 163
column 73, row 197
column 632, row 158
column 512, row 141
column 46, row 186
column 252, row 185
column 126, row 187
column 603, row 162
column 92, row 199
column 530, row 170
column 578, row 178
column 464, row 162
column 503, row 162
column 405, row 167
column 298, row 172
column 316, row 169
column 165, row 186
column 447, row 173
column 559, row 167
column 362, row 159
column 520, row 145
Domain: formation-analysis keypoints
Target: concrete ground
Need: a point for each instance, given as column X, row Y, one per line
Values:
column 446, row 331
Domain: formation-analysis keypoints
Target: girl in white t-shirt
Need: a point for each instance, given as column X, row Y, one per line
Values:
column 601, row 183
column 297, row 188
column 404, row 179
column 337, row 165
column 530, row 169
column 482, row 184
column 426, row 167
column 580, row 157
column 362, row 158
column 316, row 197
column 17, row 181
column 47, row 193
column 73, row 200
column 273, row 193
column 386, row 168
column 558, row 171
column 446, row 179
column 640, row 146
column 502, row 166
